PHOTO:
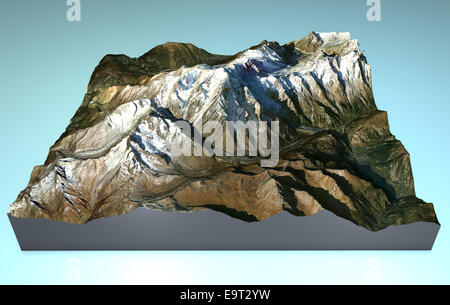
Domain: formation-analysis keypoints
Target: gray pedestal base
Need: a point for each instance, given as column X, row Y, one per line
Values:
column 144, row 229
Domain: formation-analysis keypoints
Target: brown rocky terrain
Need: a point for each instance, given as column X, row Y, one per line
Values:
column 336, row 149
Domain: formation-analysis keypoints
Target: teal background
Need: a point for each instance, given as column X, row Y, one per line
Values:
column 45, row 65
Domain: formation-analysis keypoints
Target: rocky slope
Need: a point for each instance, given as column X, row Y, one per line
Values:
column 336, row 150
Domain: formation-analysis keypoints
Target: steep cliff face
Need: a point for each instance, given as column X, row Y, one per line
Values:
column 335, row 148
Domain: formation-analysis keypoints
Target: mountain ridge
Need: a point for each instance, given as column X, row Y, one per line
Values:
column 336, row 149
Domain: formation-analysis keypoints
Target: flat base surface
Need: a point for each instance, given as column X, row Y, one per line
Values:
column 145, row 229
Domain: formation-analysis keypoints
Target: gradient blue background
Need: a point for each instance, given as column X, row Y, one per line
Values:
column 45, row 65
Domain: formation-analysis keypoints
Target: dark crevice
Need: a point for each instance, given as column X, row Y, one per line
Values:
column 242, row 215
